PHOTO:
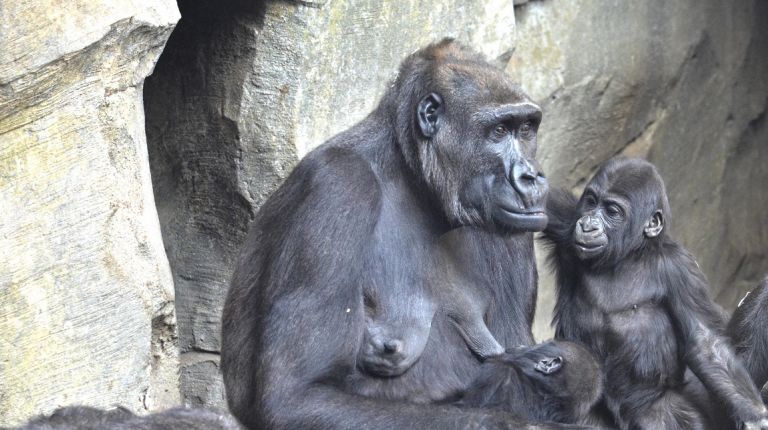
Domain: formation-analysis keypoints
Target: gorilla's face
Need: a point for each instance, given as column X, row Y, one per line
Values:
column 622, row 207
column 477, row 150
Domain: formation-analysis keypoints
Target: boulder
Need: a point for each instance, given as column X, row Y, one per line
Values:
column 86, row 294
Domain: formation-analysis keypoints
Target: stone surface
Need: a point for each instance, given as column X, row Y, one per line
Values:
column 86, row 294
column 241, row 93
column 680, row 83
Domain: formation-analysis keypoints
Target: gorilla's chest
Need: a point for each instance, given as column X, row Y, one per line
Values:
column 626, row 325
column 443, row 371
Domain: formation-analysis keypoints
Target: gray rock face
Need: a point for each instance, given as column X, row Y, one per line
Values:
column 86, row 295
column 680, row 83
column 238, row 97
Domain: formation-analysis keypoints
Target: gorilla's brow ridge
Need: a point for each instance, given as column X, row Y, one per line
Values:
column 505, row 111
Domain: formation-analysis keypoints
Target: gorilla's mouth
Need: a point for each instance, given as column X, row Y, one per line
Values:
column 534, row 219
column 590, row 248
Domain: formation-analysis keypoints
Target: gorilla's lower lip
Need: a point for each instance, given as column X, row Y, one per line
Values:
column 530, row 212
column 535, row 220
column 590, row 247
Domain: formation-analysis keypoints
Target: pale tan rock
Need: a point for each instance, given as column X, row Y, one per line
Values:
column 86, row 295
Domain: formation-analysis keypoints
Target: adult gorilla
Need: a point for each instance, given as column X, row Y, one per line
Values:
column 452, row 143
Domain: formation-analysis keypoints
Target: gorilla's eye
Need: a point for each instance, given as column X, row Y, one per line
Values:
column 526, row 129
column 614, row 211
column 589, row 200
column 500, row 130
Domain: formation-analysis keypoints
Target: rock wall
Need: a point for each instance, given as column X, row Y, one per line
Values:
column 86, row 295
column 680, row 83
column 240, row 93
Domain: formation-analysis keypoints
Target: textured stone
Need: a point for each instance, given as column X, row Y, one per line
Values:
column 86, row 295
column 242, row 92
column 680, row 83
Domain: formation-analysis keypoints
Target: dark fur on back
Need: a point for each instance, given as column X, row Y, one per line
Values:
column 748, row 329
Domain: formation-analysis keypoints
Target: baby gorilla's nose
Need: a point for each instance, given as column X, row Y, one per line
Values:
column 589, row 223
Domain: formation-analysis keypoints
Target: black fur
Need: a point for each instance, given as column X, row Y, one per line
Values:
column 452, row 143
column 748, row 329
column 524, row 381
column 638, row 300
column 399, row 313
column 88, row 418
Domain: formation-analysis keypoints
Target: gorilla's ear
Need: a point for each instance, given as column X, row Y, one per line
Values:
column 655, row 225
column 428, row 113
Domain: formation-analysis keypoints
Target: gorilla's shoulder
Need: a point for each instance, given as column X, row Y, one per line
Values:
column 329, row 181
column 341, row 168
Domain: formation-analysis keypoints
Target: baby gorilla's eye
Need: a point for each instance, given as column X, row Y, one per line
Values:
column 589, row 200
column 614, row 211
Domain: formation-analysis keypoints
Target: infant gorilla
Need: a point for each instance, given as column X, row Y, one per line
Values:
column 399, row 317
column 640, row 303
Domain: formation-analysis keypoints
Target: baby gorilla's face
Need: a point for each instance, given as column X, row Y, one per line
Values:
column 601, row 216
column 623, row 206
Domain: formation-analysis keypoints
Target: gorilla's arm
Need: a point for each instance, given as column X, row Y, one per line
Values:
column 294, row 314
column 748, row 328
column 701, row 324
column 561, row 208
column 561, row 211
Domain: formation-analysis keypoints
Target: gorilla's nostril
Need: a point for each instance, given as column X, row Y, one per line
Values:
column 525, row 174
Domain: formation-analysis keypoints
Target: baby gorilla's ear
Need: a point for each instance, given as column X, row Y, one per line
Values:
column 655, row 225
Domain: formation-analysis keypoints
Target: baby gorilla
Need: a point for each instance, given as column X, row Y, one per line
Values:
column 399, row 316
column 640, row 303
column 533, row 381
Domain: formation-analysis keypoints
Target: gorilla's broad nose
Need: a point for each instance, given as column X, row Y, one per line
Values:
column 589, row 223
column 529, row 182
